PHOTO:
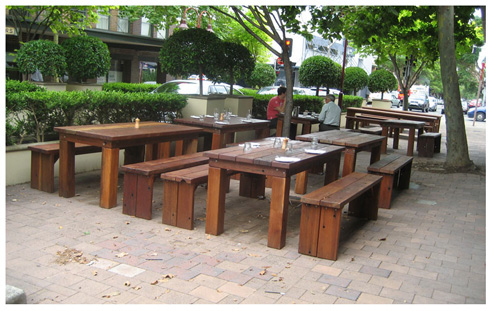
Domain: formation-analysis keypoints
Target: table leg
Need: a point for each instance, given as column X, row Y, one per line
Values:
column 385, row 141
column 217, row 141
column 277, row 226
column 349, row 161
column 109, row 177
column 190, row 146
column 306, row 128
column 332, row 169
column 375, row 153
column 66, row 179
column 280, row 124
column 216, row 193
column 301, row 182
column 411, row 141
column 396, row 138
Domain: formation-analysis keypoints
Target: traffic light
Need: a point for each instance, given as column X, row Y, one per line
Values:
column 288, row 45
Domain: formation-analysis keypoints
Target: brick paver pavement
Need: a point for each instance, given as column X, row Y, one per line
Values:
column 428, row 248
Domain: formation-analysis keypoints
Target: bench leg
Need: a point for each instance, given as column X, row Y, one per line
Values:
column 130, row 193
column 170, row 203
column 386, row 191
column 329, row 233
column 138, row 192
column 366, row 205
column 309, row 229
column 405, row 173
column 186, row 205
column 216, row 193
column 43, row 171
column 251, row 185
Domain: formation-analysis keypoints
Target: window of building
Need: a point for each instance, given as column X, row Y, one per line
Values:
column 103, row 22
column 161, row 33
column 123, row 25
column 146, row 29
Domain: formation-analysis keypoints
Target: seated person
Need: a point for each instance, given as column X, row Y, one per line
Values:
column 329, row 115
column 276, row 105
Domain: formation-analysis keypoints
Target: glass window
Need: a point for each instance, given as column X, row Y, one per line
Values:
column 161, row 34
column 146, row 30
column 103, row 22
column 123, row 24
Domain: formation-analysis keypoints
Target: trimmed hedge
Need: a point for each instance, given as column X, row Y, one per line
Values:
column 129, row 87
column 32, row 115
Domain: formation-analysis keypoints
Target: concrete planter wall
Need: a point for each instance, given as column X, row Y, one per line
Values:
column 84, row 86
column 198, row 105
column 52, row 86
column 18, row 163
column 384, row 103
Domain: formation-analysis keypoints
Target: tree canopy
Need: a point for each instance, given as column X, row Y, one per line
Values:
column 236, row 62
column 382, row 80
column 320, row 71
column 356, row 78
column 43, row 55
column 262, row 75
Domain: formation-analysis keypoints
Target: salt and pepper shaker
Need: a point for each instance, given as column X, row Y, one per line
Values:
column 284, row 144
column 137, row 123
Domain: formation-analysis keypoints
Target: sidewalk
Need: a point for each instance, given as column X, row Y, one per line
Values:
column 428, row 248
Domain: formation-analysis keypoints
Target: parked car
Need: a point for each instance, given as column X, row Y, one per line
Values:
column 418, row 101
column 481, row 113
column 395, row 101
column 464, row 106
column 192, row 87
column 272, row 90
column 432, row 103
column 472, row 103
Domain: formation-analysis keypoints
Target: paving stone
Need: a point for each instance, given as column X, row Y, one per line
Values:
column 208, row 294
column 126, row 270
column 373, row 299
column 343, row 292
column 236, row 289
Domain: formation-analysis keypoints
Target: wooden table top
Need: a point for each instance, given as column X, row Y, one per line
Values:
column 345, row 138
column 265, row 154
column 124, row 131
column 391, row 113
column 403, row 123
column 301, row 118
column 233, row 122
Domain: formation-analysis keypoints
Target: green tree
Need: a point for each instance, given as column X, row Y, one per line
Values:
column 382, row 80
column 262, row 75
column 87, row 58
column 236, row 62
column 45, row 56
column 191, row 51
column 33, row 22
column 320, row 71
column 355, row 79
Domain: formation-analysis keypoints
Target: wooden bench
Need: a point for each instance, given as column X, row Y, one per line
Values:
column 396, row 171
column 322, row 212
column 138, row 183
column 374, row 130
column 43, row 159
column 428, row 144
column 179, row 194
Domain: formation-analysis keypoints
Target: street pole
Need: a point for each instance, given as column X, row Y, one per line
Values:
column 340, row 95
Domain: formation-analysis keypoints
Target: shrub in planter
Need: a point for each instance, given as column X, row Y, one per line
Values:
column 128, row 87
column 43, row 55
column 87, row 58
column 262, row 75
column 320, row 71
column 15, row 86
column 356, row 78
column 382, row 80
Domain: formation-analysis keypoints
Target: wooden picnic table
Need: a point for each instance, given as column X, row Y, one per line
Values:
column 223, row 131
column 396, row 125
column 261, row 161
column 112, row 137
column 306, row 121
column 432, row 121
column 354, row 142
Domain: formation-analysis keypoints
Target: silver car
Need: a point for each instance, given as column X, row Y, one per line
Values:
column 418, row 101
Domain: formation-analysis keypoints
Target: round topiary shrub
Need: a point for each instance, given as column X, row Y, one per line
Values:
column 356, row 78
column 382, row 80
column 87, row 58
column 262, row 75
column 320, row 71
column 43, row 55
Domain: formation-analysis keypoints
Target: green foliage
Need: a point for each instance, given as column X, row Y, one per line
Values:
column 237, row 62
column 15, row 86
column 248, row 91
column 320, row 71
column 262, row 75
column 34, row 114
column 191, row 51
column 44, row 55
column 351, row 101
column 128, row 87
column 355, row 79
column 87, row 58
column 382, row 80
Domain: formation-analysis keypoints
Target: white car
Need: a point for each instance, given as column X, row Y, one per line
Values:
column 272, row 90
column 432, row 103
column 192, row 87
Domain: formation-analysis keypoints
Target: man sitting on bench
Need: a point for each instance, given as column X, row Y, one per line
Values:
column 329, row 115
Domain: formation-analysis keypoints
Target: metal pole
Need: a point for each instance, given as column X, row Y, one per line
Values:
column 340, row 95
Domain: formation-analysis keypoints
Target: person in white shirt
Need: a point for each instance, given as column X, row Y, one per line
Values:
column 329, row 115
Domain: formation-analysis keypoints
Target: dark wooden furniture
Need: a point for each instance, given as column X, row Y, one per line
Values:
column 112, row 137
column 428, row 144
column 396, row 125
column 322, row 212
column 396, row 171
column 306, row 121
column 353, row 142
column 258, row 163
column 179, row 194
column 43, row 159
column 223, row 131
column 138, row 185
column 432, row 122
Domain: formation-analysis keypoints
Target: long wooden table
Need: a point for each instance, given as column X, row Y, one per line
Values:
column 112, row 137
column 431, row 120
column 306, row 121
column 396, row 125
column 223, row 131
column 262, row 162
column 354, row 142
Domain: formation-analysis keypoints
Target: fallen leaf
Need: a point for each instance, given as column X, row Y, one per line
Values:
column 383, row 239
column 155, row 282
column 274, row 274
column 153, row 254
column 94, row 273
column 127, row 283
column 87, row 233
column 111, row 295
column 168, row 276
column 57, row 205
column 168, row 291
column 266, row 267
column 14, row 200
column 167, row 229
column 244, row 231
column 137, row 287
column 127, row 222
column 122, row 254
column 61, row 227
column 235, row 249
column 253, row 255
column 262, row 272
column 44, row 203
column 115, row 237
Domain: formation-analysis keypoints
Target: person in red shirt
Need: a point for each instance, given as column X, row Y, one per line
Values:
column 276, row 105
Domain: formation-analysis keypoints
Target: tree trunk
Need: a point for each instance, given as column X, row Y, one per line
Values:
column 289, row 98
column 457, row 146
